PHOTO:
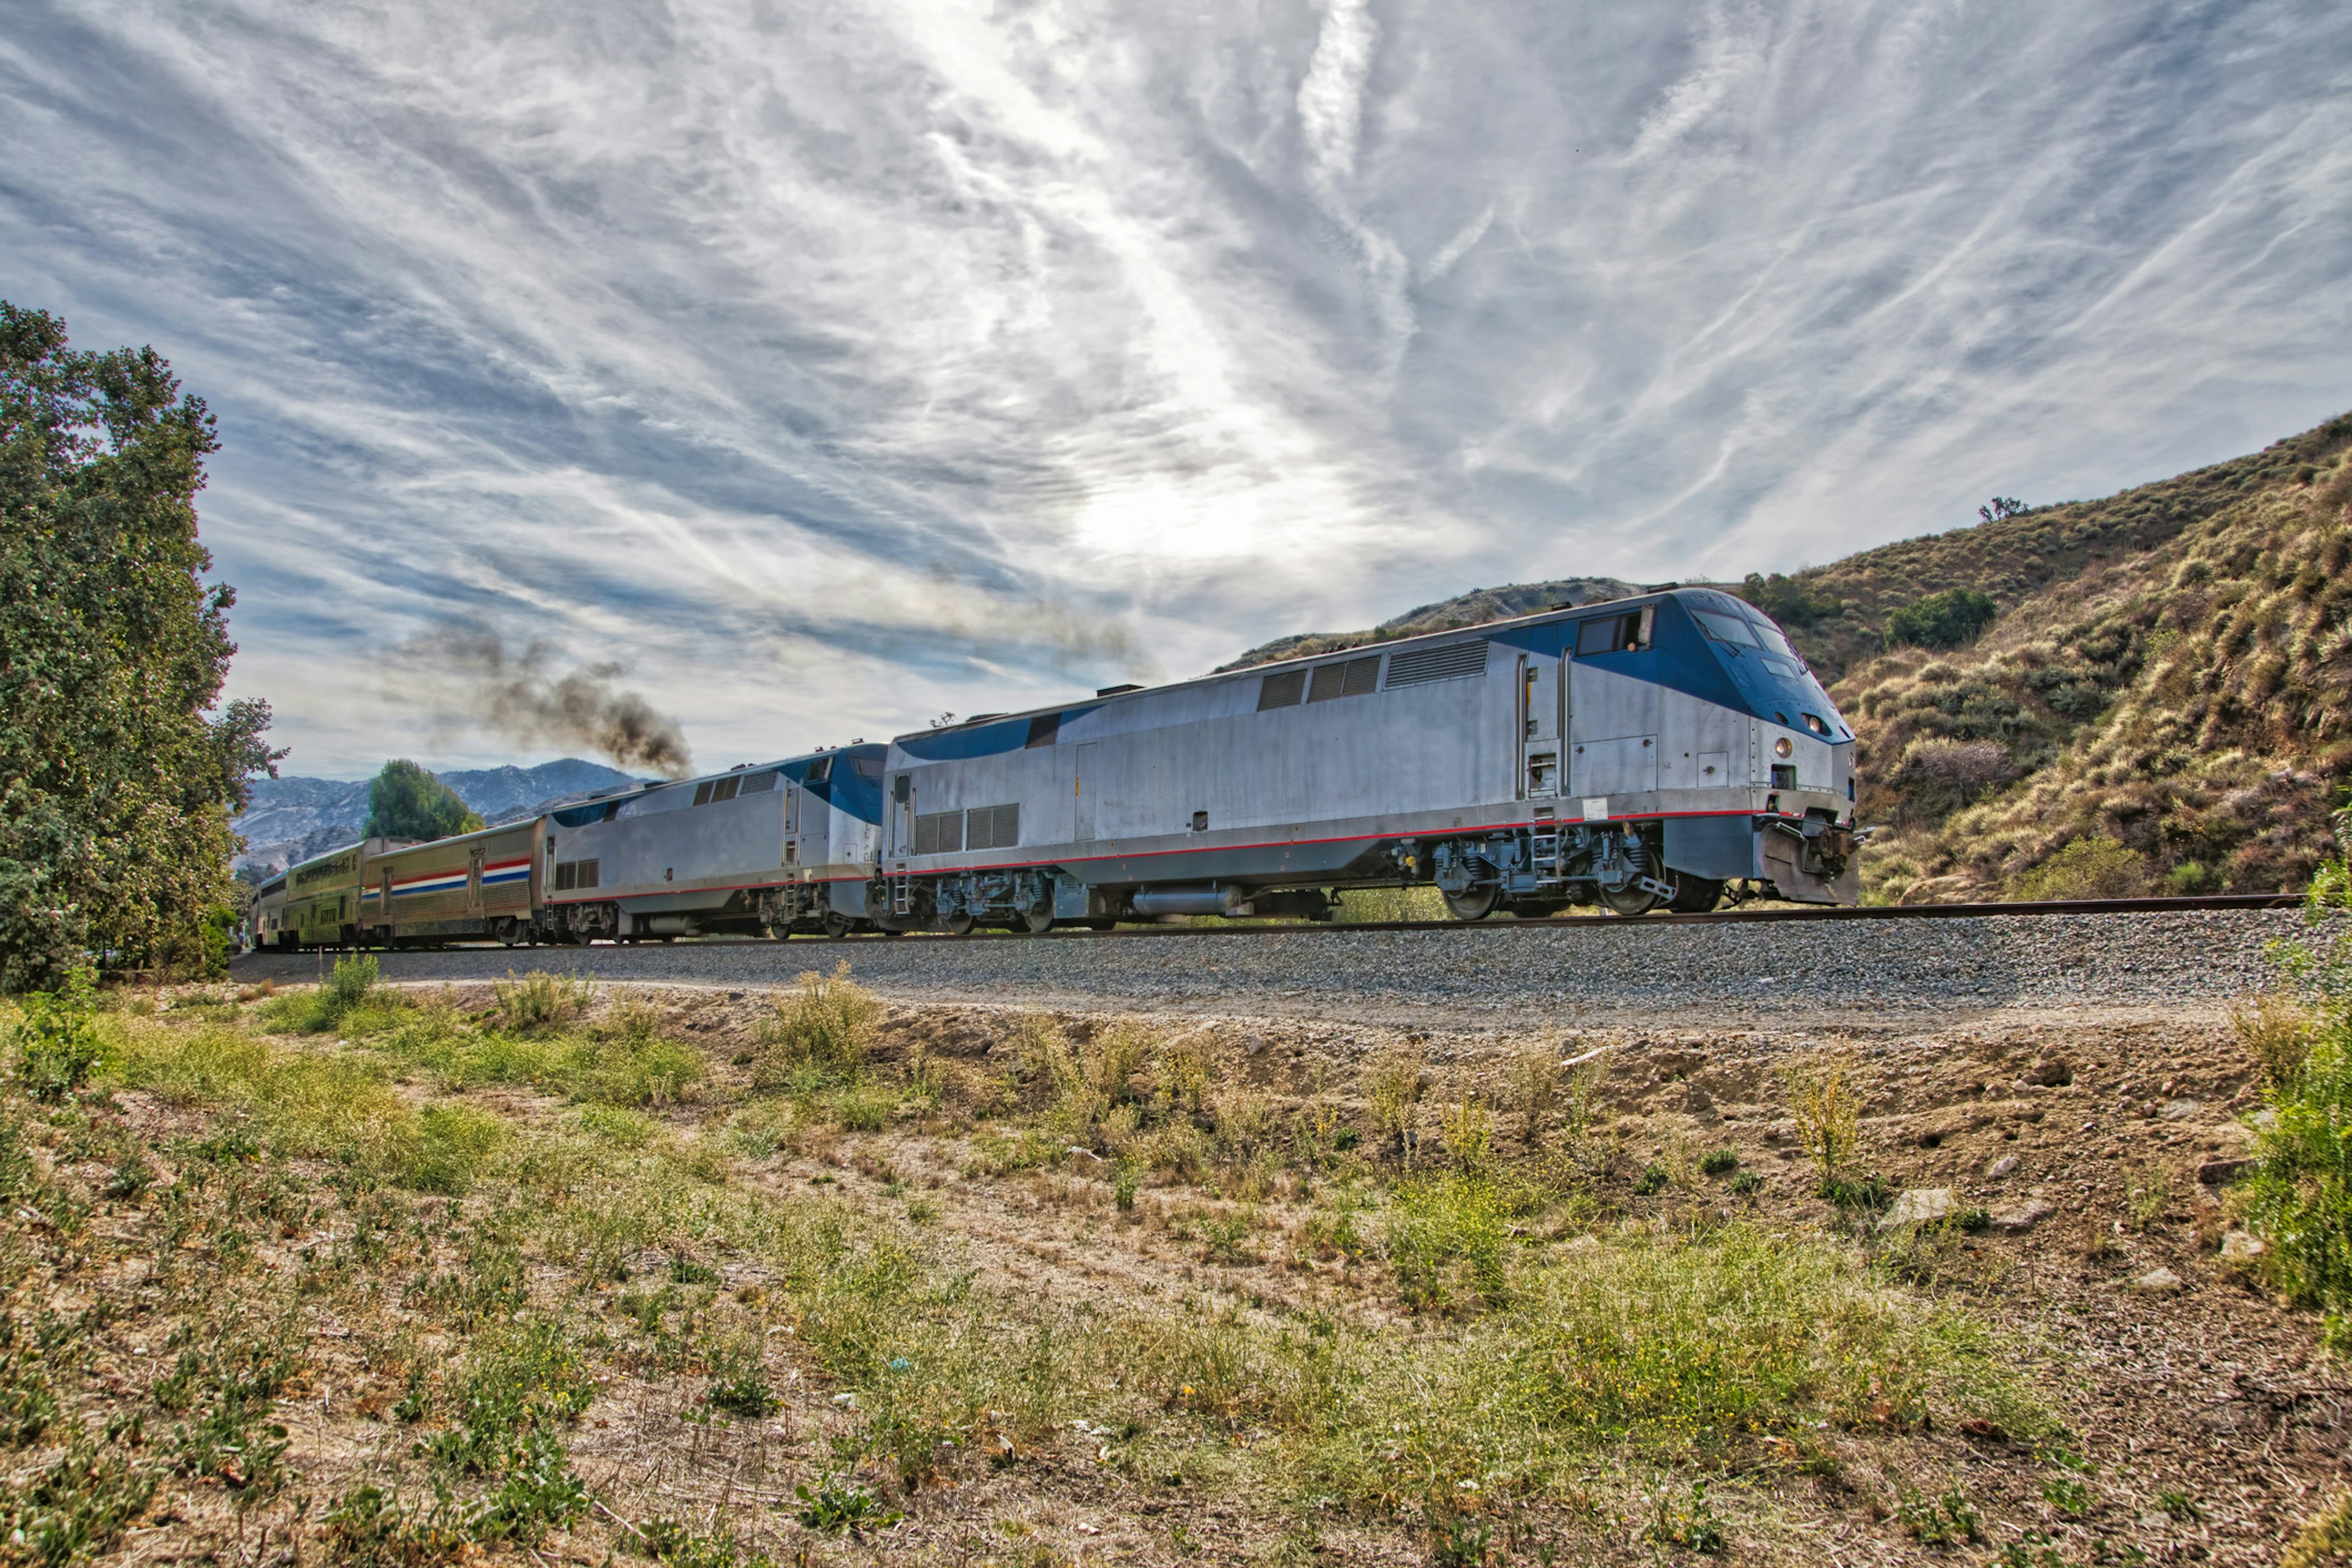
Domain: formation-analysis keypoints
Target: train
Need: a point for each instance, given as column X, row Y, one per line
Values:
column 1663, row 752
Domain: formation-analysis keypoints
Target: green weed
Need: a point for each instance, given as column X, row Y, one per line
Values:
column 454, row 1144
column 1940, row 1520
column 837, row 1505
column 1691, row 1525
column 1447, row 1232
column 747, row 1394
column 77, row 1507
column 2067, row 1495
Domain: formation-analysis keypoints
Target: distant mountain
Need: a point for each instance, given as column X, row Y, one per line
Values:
column 292, row 819
column 1473, row 608
column 510, row 793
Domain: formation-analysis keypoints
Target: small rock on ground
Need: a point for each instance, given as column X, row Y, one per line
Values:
column 2025, row 1216
column 1919, row 1206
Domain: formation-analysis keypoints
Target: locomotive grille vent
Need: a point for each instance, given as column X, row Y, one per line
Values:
column 1282, row 691
column 711, row 792
column 992, row 827
column 1454, row 661
column 940, row 833
column 570, row 875
column 1357, row 677
column 754, row 783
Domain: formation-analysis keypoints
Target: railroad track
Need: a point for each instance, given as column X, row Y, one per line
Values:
column 1791, row 913
column 1803, row 914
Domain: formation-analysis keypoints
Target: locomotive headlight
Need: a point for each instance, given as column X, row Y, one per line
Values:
column 1784, row 746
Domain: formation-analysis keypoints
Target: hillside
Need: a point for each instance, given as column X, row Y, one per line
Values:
column 292, row 819
column 2164, row 687
column 1472, row 608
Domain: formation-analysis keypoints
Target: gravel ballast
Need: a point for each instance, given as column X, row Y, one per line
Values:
column 2205, row 957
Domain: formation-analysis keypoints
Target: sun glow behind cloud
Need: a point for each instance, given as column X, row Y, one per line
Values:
column 830, row 366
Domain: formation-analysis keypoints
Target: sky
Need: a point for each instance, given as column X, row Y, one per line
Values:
column 814, row 368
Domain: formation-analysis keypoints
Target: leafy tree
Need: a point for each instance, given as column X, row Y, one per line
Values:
column 406, row 802
column 2001, row 507
column 1942, row 620
column 118, row 779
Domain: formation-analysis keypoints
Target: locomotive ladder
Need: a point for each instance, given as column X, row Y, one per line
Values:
column 1543, row 852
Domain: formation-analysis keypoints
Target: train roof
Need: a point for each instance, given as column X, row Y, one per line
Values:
column 380, row 842
column 1109, row 694
column 583, row 810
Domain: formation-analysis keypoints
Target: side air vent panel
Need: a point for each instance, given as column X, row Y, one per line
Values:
column 1282, row 689
column 1453, row 661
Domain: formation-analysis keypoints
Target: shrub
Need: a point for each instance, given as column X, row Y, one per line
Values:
column 55, row 1037
column 351, row 988
column 2276, row 1030
column 2097, row 867
column 2300, row 1196
column 1469, row 1132
column 1393, row 1084
column 634, row 1071
column 1187, row 1074
column 827, row 1024
column 1944, row 620
column 1535, row 1077
column 1828, row 1113
column 540, row 1001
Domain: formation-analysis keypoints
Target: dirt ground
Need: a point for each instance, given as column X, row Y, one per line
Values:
column 2099, row 1142
column 2097, row 1145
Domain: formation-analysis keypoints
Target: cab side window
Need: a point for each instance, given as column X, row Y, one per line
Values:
column 1610, row 634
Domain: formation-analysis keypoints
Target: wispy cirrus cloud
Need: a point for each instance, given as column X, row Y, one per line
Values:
column 830, row 366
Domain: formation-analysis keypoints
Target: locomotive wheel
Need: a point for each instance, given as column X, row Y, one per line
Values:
column 958, row 924
column 1696, row 896
column 1629, row 900
column 1475, row 905
column 1037, row 922
column 836, row 925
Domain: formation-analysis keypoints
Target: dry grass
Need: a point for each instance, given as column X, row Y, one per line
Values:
column 2278, row 1032
column 502, row 1296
